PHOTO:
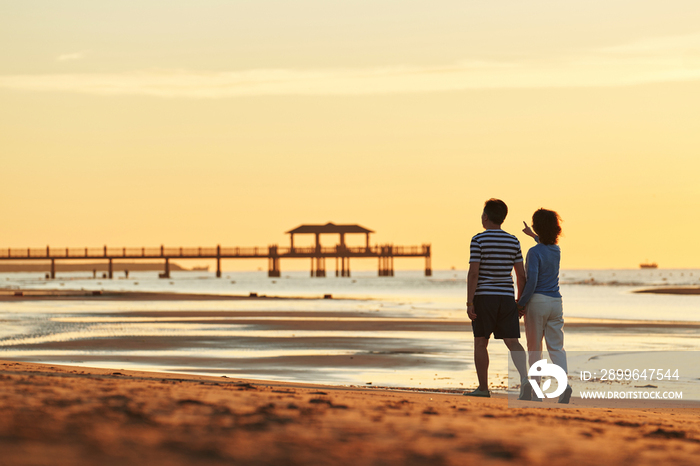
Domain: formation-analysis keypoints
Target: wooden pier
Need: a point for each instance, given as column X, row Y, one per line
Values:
column 317, row 254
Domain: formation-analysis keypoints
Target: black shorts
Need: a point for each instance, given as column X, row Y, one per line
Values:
column 496, row 314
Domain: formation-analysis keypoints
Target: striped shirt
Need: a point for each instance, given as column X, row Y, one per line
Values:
column 497, row 252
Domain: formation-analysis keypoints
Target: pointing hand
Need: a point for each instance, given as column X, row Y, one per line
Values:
column 528, row 231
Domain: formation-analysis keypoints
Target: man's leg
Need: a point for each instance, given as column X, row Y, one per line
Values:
column 509, row 330
column 481, row 361
column 517, row 353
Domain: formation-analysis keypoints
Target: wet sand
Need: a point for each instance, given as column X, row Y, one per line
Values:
column 80, row 416
column 331, row 344
column 692, row 290
column 81, row 295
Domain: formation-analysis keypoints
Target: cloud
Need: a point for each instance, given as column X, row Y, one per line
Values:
column 71, row 56
column 650, row 61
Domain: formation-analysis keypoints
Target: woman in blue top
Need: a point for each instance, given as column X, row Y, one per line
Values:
column 541, row 301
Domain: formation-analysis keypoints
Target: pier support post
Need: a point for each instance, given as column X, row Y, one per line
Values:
column 273, row 262
column 391, row 260
column 111, row 271
column 166, row 273
column 53, row 268
column 218, row 261
column 428, row 264
column 320, row 267
column 386, row 261
column 273, row 269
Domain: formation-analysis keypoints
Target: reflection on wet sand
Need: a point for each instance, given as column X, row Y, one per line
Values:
column 309, row 341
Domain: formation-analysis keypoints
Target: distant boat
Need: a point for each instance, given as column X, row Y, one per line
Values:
column 201, row 269
column 652, row 265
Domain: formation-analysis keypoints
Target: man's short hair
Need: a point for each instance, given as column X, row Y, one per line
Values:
column 496, row 210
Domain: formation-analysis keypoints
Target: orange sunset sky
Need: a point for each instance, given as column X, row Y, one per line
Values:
column 141, row 123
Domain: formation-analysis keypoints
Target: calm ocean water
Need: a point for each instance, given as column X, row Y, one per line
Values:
column 403, row 331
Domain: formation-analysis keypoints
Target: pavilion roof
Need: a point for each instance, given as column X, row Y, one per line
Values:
column 330, row 228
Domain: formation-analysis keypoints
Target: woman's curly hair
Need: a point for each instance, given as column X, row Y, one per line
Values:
column 546, row 225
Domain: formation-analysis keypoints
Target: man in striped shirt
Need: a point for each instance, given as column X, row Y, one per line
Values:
column 491, row 303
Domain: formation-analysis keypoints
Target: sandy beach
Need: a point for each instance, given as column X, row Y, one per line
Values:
column 62, row 413
column 79, row 416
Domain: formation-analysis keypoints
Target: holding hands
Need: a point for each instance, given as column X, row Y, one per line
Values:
column 521, row 310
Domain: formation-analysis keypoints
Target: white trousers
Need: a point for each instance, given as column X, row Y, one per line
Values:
column 544, row 318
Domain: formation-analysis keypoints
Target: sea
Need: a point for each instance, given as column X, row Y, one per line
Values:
column 406, row 331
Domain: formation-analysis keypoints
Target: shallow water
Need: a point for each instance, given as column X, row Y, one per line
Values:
column 407, row 330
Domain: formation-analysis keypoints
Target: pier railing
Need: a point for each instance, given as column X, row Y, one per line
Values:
column 209, row 252
column 318, row 254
